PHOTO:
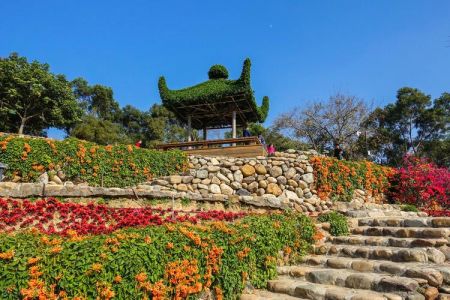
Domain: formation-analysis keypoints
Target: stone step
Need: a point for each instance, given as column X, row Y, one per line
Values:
column 304, row 289
column 435, row 275
column 400, row 222
column 388, row 241
column 379, row 282
column 402, row 232
column 266, row 295
column 395, row 254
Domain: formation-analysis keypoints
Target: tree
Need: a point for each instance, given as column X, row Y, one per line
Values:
column 134, row 122
column 96, row 100
column 33, row 99
column 413, row 124
column 163, row 126
column 103, row 132
column 322, row 125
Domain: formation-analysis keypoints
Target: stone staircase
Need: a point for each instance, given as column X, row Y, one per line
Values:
column 382, row 258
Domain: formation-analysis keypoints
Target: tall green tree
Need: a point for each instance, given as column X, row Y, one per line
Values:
column 33, row 99
column 163, row 126
column 97, row 100
column 100, row 131
column 414, row 123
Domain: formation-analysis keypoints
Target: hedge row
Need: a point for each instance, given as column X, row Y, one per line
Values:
column 110, row 166
column 338, row 179
column 174, row 261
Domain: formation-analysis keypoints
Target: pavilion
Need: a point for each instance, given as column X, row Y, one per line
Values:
column 215, row 104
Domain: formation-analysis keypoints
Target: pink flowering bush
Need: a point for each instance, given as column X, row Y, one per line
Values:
column 422, row 183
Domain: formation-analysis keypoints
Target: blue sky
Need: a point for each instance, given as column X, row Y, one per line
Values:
column 301, row 51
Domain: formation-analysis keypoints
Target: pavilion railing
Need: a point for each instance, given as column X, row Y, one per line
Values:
column 208, row 144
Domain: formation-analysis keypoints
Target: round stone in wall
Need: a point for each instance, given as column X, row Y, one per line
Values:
column 214, row 188
column 274, row 189
column 275, row 171
column 248, row 170
column 260, row 169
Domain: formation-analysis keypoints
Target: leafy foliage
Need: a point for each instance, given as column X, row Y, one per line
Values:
column 409, row 207
column 33, row 99
column 218, row 72
column 175, row 261
column 100, row 131
column 97, row 100
column 413, row 124
column 338, row 179
column 338, row 223
column 118, row 166
column 421, row 183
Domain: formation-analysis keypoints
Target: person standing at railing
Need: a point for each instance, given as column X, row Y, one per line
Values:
column 262, row 140
column 246, row 132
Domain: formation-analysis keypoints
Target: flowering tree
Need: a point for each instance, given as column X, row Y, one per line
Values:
column 422, row 183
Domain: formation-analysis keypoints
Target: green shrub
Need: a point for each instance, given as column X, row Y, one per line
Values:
column 218, row 72
column 409, row 207
column 338, row 223
column 216, row 255
column 118, row 166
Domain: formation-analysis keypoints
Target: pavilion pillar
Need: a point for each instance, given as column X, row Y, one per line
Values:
column 189, row 129
column 233, row 124
column 205, row 133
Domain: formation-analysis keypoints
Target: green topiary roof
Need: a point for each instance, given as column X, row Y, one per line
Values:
column 211, row 103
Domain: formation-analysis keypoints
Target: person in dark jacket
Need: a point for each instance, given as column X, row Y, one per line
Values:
column 338, row 152
column 246, row 133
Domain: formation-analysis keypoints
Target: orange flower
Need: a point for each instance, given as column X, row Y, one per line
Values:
column 169, row 246
column 242, row 254
column 7, row 255
column 219, row 293
column 147, row 239
column 287, row 250
column 27, row 148
column 97, row 267
column 105, row 292
column 56, row 250
column 33, row 260
column 35, row 272
column 159, row 291
column 141, row 277
column 117, row 279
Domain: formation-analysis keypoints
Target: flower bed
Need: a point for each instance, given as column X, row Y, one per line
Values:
column 338, row 179
column 54, row 217
column 437, row 213
column 110, row 166
column 173, row 261
column 421, row 183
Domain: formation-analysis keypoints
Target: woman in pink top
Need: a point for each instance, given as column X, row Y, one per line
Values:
column 271, row 150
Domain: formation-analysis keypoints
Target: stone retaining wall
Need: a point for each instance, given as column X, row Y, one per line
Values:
column 284, row 181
